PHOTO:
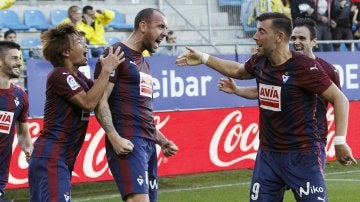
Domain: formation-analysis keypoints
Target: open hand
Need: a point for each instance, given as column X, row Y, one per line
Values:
column 112, row 60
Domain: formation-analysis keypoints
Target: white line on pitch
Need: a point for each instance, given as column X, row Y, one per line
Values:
column 342, row 172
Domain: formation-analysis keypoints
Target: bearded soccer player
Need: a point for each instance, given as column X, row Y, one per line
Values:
column 290, row 148
column 14, row 109
column 303, row 40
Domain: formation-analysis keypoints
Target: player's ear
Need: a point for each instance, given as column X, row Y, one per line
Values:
column 280, row 36
column 66, row 53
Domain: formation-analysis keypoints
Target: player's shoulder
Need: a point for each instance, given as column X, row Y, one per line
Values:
column 324, row 64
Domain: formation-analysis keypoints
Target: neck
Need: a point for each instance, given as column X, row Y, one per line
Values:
column 279, row 57
column 4, row 82
column 134, row 42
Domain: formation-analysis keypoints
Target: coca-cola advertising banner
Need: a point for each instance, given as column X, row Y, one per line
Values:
column 208, row 140
column 182, row 88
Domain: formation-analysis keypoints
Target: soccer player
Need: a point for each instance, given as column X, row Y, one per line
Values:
column 126, row 110
column 70, row 97
column 303, row 40
column 290, row 149
column 14, row 108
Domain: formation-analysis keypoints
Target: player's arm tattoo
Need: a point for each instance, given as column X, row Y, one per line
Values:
column 103, row 115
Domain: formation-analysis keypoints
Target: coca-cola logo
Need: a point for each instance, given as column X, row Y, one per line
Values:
column 232, row 139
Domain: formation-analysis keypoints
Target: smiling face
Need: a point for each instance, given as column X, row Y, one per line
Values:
column 301, row 40
column 155, row 31
column 265, row 38
column 10, row 65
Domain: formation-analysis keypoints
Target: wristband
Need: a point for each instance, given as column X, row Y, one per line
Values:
column 204, row 58
column 338, row 140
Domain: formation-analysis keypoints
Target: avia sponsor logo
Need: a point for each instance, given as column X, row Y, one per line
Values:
column 6, row 120
column 309, row 190
column 145, row 85
column 270, row 97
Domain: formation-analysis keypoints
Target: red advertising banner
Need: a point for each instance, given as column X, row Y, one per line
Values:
column 208, row 140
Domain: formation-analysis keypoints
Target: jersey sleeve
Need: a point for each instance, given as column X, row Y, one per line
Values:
column 250, row 64
column 24, row 115
column 64, row 84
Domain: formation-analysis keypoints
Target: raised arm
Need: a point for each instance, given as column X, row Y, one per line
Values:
column 88, row 100
column 341, row 113
column 226, row 67
column 229, row 86
column 103, row 115
column 24, row 139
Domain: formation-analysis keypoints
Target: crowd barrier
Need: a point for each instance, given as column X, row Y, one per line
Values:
column 214, row 131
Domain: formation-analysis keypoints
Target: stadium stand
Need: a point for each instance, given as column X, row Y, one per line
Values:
column 36, row 19
column 10, row 19
column 27, row 44
column 118, row 23
column 247, row 9
column 56, row 16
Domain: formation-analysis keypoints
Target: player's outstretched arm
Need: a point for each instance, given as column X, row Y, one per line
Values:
column 226, row 67
column 24, row 139
column 103, row 115
column 341, row 113
column 168, row 147
column 229, row 86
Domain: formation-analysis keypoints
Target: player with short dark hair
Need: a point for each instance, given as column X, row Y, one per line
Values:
column 14, row 109
column 289, row 153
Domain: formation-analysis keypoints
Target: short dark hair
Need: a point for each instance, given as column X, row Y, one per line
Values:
column 144, row 15
column 87, row 8
column 5, row 46
column 57, row 40
column 171, row 32
column 279, row 22
column 8, row 32
column 308, row 23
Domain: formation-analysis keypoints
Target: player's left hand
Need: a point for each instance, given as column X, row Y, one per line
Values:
column 169, row 148
column 344, row 155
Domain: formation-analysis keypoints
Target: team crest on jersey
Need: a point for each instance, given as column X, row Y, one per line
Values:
column 140, row 180
column 6, row 120
column 145, row 85
column 270, row 97
column 17, row 101
column 72, row 82
column 67, row 196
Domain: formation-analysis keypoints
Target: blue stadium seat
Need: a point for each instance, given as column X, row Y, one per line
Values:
column 118, row 23
column 222, row 3
column 36, row 19
column 112, row 39
column 57, row 15
column 27, row 44
column 10, row 19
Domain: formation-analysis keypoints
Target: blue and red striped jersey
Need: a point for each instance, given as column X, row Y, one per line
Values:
column 131, row 101
column 287, row 101
column 322, row 104
column 65, row 123
column 14, row 107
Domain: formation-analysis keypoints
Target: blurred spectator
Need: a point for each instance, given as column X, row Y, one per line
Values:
column 276, row 6
column 356, row 23
column 74, row 16
column 4, row 4
column 171, row 50
column 94, row 23
column 341, row 22
column 1, row 37
column 146, row 53
column 318, row 10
